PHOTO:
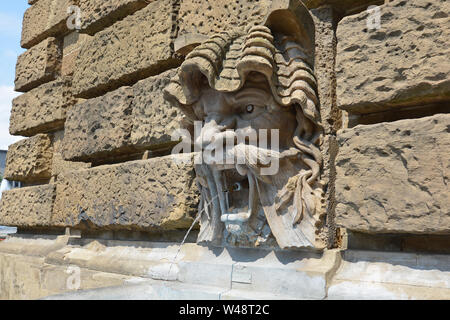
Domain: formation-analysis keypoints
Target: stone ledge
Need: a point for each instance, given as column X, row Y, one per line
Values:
column 381, row 275
column 190, row 271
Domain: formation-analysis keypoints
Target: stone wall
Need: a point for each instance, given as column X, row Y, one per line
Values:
column 96, row 156
column 393, row 85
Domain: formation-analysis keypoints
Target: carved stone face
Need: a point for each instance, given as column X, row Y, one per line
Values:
column 252, row 107
column 235, row 84
column 224, row 114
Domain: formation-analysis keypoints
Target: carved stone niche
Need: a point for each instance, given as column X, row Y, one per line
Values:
column 237, row 83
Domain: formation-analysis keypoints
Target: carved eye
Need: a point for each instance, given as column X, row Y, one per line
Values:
column 250, row 108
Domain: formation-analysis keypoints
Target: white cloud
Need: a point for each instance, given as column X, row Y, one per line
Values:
column 7, row 93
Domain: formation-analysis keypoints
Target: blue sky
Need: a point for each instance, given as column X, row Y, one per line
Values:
column 11, row 14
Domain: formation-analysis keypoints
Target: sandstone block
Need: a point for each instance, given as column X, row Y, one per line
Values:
column 99, row 14
column 71, row 48
column 147, row 195
column 42, row 109
column 27, row 207
column 122, row 121
column 45, row 18
column 99, row 126
column 154, row 119
column 38, row 65
column 59, row 165
column 134, row 48
column 404, row 62
column 325, row 53
column 30, row 160
column 208, row 17
column 393, row 177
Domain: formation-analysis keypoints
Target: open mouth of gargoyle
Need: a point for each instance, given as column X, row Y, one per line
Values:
column 238, row 196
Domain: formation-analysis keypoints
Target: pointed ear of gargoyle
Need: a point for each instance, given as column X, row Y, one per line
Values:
column 291, row 18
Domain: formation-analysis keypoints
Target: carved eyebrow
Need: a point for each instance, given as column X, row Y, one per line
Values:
column 251, row 92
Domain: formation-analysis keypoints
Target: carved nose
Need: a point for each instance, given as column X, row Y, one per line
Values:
column 214, row 132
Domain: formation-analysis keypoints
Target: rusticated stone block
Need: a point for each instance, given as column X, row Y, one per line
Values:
column 134, row 48
column 126, row 120
column 403, row 63
column 30, row 160
column 38, row 65
column 28, row 207
column 154, row 119
column 71, row 48
column 99, row 14
column 42, row 109
column 46, row 18
column 99, row 126
column 148, row 195
column 59, row 165
column 394, row 177
column 207, row 17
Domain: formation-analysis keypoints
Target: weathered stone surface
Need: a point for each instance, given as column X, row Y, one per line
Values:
column 325, row 53
column 38, row 65
column 374, row 275
column 30, row 160
column 26, row 273
column 99, row 14
column 44, row 19
column 71, row 48
column 153, row 194
column 59, row 165
column 126, row 120
column 42, row 109
column 344, row 7
column 393, row 177
column 98, row 126
column 133, row 48
column 27, row 207
column 208, row 17
column 34, row 268
column 154, row 119
column 405, row 62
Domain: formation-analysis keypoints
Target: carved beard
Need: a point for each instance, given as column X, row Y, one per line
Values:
column 242, row 207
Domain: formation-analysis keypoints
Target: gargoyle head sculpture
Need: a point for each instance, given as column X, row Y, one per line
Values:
column 237, row 83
